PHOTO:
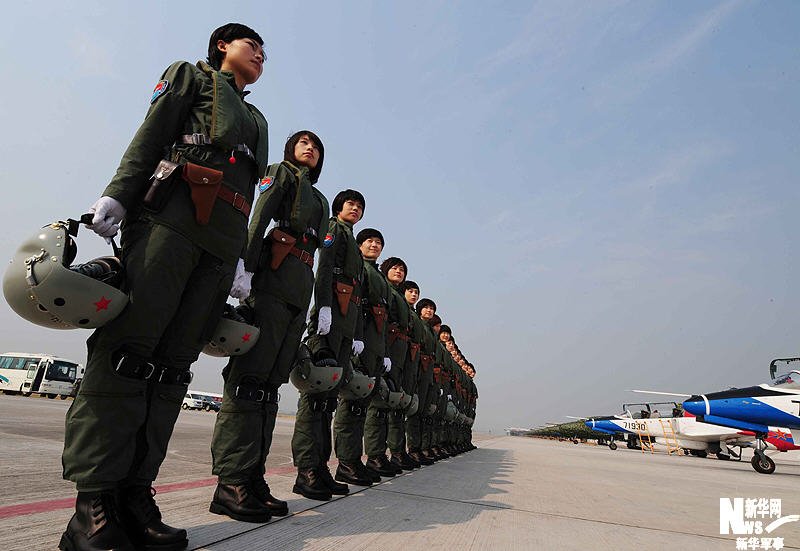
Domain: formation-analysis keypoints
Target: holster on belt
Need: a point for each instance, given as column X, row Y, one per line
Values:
column 160, row 185
column 344, row 294
column 425, row 362
column 282, row 243
column 394, row 332
column 379, row 316
column 414, row 350
column 204, row 184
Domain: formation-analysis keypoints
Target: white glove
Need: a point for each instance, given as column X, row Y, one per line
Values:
column 441, row 392
column 241, row 282
column 358, row 347
column 449, row 396
column 324, row 321
column 108, row 213
column 387, row 365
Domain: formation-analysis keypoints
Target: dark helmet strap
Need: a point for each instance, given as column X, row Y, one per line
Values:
column 73, row 225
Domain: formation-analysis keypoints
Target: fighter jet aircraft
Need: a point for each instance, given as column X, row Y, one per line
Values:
column 645, row 424
column 754, row 409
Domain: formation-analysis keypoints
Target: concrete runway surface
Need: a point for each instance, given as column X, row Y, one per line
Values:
column 511, row 493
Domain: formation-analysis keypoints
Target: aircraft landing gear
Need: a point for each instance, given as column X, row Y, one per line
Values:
column 612, row 446
column 761, row 462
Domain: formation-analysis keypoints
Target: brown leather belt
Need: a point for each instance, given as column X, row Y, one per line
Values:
column 237, row 201
column 305, row 256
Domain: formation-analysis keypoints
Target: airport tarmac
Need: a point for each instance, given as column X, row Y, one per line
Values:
column 510, row 493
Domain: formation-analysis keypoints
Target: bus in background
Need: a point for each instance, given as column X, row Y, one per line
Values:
column 25, row 373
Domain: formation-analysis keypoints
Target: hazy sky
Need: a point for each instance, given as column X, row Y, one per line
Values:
column 598, row 195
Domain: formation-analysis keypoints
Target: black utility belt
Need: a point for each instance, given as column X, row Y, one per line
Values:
column 202, row 139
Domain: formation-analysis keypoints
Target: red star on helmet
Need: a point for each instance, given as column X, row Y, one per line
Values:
column 369, row 386
column 335, row 376
column 102, row 304
column 246, row 337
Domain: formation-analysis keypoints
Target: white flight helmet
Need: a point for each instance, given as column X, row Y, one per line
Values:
column 41, row 286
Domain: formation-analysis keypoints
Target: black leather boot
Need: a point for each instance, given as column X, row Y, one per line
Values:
column 237, row 502
column 351, row 474
column 419, row 458
column 403, row 461
column 416, row 463
column 381, row 465
column 309, row 484
column 439, row 453
column 428, row 454
column 277, row 507
column 368, row 472
column 336, row 488
column 95, row 525
column 141, row 519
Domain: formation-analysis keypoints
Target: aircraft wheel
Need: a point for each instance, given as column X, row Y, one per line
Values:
column 184, row 406
column 723, row 457
column 763, row 464
column 612, row 446
column 51, row 396
column 63, row 396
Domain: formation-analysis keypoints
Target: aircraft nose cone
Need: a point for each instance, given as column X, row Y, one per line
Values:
column 695, row 405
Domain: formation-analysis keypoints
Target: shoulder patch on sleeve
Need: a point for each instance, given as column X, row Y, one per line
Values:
column 329, row 239
column 159, row 90
column 265, row 184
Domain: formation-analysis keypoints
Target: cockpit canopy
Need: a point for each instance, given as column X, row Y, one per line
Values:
column 789, row 380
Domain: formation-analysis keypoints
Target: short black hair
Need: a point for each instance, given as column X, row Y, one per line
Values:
column 348, row 195
column 436, row 320
column 390, row 263
column 228, row 33
column 367, row 233
column 288, row 152
column 446, row 329
column 408, row 284
column 423, row 303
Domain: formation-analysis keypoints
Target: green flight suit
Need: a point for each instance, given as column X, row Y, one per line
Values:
column 177, row 272
column 428, row 387
column 414, row 375
column 440, row 375
column 398, row 340
column 340, row 263
column 350, row 423
column 449, row 376
column 279, row 300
